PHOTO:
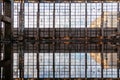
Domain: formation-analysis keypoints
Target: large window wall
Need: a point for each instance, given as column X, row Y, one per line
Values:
column 67, row 65
column 68, row 15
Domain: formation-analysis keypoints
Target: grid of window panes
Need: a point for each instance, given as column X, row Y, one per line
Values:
column 30, row 68
column 46, row 65
column 110, row 62
column 62, row 15
column 30, row 14
column 46, row 15
column 94, row 13
column 16, row 14
column 78, row 15
column 62, row 66
column 66, row 18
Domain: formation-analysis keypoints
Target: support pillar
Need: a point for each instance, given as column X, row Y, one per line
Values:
column 21, row 38
column 21, row 21
column 8, row 55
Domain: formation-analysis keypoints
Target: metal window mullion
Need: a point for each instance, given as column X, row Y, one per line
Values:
column 118, row 63
column 21, row 27
column 21, row 61
column 49, row 22
column 102, row 34
column 33, row 21
column 28, row 27
column 91, row 16
column 111, row 21
column 53, row 39
column 44, row 44
column 75, row 38
column 21, row 20
column 59, row 38
column 49, row 60
column 17, row 20
column 118, row 15
column 70, row 39
column 34, row 60
column 86, row 39
column 118, row 29
column 17, row 61
column 33, row 44
column 38, row 38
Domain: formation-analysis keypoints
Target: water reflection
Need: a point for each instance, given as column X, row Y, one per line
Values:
column 66, row 63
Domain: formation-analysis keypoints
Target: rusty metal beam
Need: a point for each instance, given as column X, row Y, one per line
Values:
column 63, row 48
column 8, row 56
column 60, row 32
column 5, row 19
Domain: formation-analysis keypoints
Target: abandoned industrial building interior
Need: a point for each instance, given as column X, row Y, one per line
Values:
column 59, row 40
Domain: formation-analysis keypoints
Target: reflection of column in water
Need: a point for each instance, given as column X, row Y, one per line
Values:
column 40, row 58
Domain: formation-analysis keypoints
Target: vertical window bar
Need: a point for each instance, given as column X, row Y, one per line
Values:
column 102, row 34
column 54, row 39
column 118, row 30
column 60, row 35
column 118, row 16
column 38, row 38
column 43, row 66
column 70, row 39
column 118, row 63
column 85, row 39
column 21, row 61
column 21, row 20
